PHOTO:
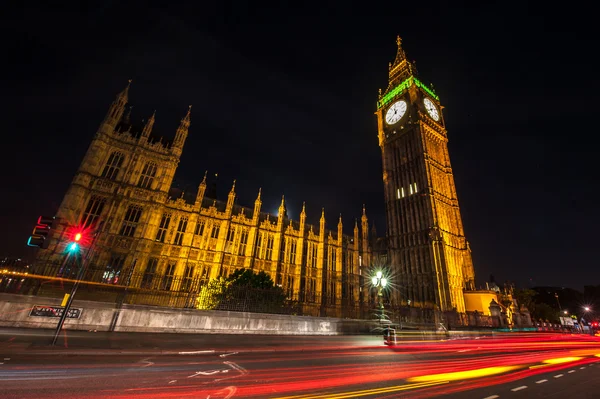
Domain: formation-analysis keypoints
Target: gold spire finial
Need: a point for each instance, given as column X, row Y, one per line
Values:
column 233, row 186
column 398, row 41
column 204, row 178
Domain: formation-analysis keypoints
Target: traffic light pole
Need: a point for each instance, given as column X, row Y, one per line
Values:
column 80, row 275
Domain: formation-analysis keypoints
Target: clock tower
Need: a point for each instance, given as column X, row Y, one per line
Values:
column 428, row 252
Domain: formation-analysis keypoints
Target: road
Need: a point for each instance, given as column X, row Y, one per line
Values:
column 121, row 365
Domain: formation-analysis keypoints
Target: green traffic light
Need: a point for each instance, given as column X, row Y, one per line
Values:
column 73, row 247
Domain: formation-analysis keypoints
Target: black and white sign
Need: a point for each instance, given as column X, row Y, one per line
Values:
column 54, row 311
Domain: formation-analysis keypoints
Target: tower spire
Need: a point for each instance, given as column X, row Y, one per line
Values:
column 182, row 131
column 231, row 198
column 201, row 191
column 401, row 68
column 282, row 211
column 257, row 205
column 124, row 94
column 116, row 110
column 148, row 127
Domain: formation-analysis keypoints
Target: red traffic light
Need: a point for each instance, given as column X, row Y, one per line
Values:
column 78, row 237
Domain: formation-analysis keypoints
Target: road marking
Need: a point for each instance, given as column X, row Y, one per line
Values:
column 211, row 372
column 172, row 381
column 228, row 354
column 7, row 358
column 558, row 375
column 196, row 352
column 581, row 368
column 491, row 397
column 541, row 381
column 519, row 388
column 571, row 371
column 464, row 350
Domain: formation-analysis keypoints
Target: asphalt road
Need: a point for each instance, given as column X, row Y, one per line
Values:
column 99, row 365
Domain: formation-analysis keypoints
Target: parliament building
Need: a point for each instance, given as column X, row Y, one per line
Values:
column 123, row 192
column 122, row 195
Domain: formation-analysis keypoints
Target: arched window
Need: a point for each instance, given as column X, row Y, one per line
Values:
column 113, row 165
column 92, row 212
column 147, row 176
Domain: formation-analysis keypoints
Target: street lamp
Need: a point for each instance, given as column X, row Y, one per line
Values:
column 380, row 282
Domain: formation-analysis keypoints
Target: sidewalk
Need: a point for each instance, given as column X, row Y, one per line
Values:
column 71, row 342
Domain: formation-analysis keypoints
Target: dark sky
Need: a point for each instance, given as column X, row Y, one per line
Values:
column 283, row 98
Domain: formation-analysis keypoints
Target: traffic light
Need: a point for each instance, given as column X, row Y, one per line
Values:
column 74, row 245
column 41, row 232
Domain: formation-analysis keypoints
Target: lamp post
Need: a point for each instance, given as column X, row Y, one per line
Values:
column 380, row 282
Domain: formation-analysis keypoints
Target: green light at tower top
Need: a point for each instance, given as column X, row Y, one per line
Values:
column 404, row 85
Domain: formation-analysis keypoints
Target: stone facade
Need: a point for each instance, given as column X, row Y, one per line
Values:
column 121, row 191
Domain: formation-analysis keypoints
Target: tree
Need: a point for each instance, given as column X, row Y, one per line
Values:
column 211, row 294
column 525, row 297
column 244, row 291
column 544, row 311
column 247, row 278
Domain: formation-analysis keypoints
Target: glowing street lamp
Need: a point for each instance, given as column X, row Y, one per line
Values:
column 379, row 281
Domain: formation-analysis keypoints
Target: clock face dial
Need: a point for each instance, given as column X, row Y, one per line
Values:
column 431, row 109
column 395, row 112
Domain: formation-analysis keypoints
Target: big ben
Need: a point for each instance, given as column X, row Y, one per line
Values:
column 428, row 252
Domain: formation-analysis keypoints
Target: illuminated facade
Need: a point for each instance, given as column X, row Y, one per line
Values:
column 427, row 249
column 124, row 182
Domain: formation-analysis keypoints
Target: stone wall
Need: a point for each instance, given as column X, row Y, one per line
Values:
column 101, row 316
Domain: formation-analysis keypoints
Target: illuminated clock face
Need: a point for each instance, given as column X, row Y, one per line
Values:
column 431, row 109
column 395, row 112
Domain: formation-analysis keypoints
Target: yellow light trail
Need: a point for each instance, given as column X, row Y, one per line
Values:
column 463, row 375
column 365, row 392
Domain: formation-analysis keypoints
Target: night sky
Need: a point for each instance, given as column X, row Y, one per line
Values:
column 284, row 98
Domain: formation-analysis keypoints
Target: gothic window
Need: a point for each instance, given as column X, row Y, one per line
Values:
column 289, row 284
column 331, row 258
column 199, row 228
column 229, row 240
column 131, row 220
column 269, row 252
column 163, row 227
column 92, row 212
column 188, row 277
column 147, row 176
column 113, row 165
column 167, row 279
column 113, row 270
column 332, row 293
column 180, row 231
column 215, row 231
column 149, row 273
column 259, row 245
column 292, row 252
column 243, row 242
column 205, row 274
column 313, row 254
column 311, row 293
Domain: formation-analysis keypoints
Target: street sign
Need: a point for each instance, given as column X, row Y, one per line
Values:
column 54, row 311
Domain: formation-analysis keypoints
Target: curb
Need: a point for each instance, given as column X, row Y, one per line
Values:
column 157, row 352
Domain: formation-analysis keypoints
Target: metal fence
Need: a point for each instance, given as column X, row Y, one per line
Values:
column 199, row 293
column 174, row 292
